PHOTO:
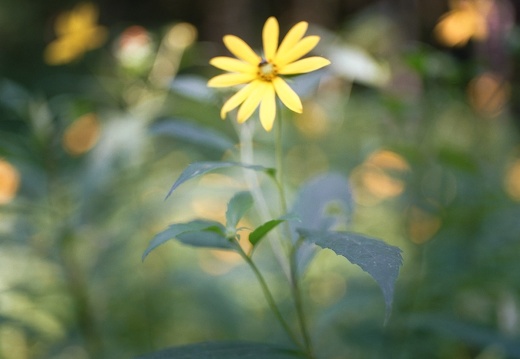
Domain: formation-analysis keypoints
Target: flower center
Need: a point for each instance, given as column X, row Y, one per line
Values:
column 266, row 70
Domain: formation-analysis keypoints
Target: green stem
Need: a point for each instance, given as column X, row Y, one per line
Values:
column 268, row 295
column 279, row 164
column 298, row 302
column 295, row 287
column 264, row 209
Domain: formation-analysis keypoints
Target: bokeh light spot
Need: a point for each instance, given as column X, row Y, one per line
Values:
column 488, row 94
column 512, row 180
column 379, row 177
column 422, row 225
column 81, row 135
column 9, row 182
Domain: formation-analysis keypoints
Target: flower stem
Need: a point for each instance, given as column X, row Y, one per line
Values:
column 268, row 295
column 295, row 287
column 246, row 156
column 279, row 164
column 298, row 303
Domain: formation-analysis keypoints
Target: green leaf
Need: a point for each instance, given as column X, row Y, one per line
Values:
column 211, row 237
column 322, row 203
column 175, row 230
column 192, row 133
column 261, row 231
column 237, row 207
column 224, row 350
column 382, row 261
column 199, row 168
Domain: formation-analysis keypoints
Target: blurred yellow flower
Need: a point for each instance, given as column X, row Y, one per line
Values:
column 9, row 181
column 261, row 74
column 466, row 20
column 77, row 33
column 81, row 135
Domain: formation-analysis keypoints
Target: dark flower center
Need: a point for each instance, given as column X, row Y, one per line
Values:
column 267, row 70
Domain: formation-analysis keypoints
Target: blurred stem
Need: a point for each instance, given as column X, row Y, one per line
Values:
column 77, row 287
column 246, row 156
column 293, row 264
column 298, row 302
column 279, row 163
column 59, row 211
column 268, row 295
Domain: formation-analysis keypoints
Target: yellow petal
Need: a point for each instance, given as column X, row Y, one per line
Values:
column 62, row 51
column 227, row 80
column 294, row 35
column 98, row 37
column 287, row 95
column 268, row 108
column 252, row 101
column 87, row 12
column 455, row 28
column 303, row 66
column 232, row 65
column 82, row 17
column 270, row 38
column 240, row 49
column 236, row 99
column 300, row 49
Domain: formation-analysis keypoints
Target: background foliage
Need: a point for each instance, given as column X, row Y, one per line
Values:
column 426, row 132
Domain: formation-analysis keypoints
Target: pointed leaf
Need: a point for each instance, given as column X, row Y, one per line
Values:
column 193, row 133
column 224, row 350
column 199, row 168
column 177, row 229
column 237, row 207
column 382, row 261
column 261, row 231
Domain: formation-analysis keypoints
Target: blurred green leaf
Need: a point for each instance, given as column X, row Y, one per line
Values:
column 194, row 87
column 382, row 261
column 200, row 168
column 322, row 203
column 237, row 207
column 193, row 133
column 458, row 160
column 200, row 233
column 473, row 333
column 211, row 237
column 224, row 350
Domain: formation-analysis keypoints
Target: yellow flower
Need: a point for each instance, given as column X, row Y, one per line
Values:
column 467, row 20
column 261, row 74
column 77, row 33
